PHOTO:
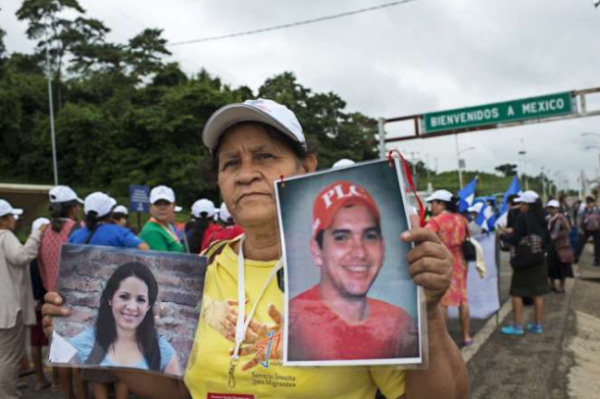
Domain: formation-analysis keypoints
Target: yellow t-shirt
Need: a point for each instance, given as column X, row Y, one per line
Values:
column 207, row 372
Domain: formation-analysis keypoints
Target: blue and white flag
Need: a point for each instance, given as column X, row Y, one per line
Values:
column 487, row 218
column 467, row 195
column 485, row 215
column 513, row 189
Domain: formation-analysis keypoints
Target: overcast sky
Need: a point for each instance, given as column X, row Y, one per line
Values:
column 424, row 56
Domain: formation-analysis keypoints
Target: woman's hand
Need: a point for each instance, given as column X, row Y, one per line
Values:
column 51, row 309
column 430, row 264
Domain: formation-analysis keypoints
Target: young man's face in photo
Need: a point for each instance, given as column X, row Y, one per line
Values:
column 130, row 303
column 352, row 252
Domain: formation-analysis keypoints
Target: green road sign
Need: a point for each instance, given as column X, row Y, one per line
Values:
column 491, row 114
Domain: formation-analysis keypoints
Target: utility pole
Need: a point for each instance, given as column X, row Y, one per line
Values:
column 460, row 177
column 51, row 105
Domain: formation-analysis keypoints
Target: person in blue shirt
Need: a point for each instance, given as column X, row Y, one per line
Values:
column 125, row 334
column 98, row 228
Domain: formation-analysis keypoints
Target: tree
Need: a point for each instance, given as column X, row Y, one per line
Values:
column 58, row 36
column 2, row 46
column 144, row 52
column 336, row 133
column 507, row 169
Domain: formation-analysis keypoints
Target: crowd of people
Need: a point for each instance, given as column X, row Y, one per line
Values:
column 104, row 223
column 252, row 144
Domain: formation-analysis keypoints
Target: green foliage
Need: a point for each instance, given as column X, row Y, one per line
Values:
column 130, row 117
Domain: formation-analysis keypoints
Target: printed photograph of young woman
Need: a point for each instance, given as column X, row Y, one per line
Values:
column 128, row 306
column 125, row 334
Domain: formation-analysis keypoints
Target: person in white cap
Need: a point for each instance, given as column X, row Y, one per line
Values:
column 343, row 163
column 530, row 274
column 474, row 228
column 99, row 230
column 120, row 215
column 253, row 144
column 159, row 232
column 588, row 224
column 452, row 228
column 17, row 306
column 560, row 256
column 202, row 226
column 64, row 205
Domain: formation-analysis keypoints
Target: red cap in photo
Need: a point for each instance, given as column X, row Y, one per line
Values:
column 336, row 196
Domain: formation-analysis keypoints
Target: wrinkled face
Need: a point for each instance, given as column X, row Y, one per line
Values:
column 352, row 254
column 163, row 211
column 249, row 162
column 437, row 207
column 130, row 303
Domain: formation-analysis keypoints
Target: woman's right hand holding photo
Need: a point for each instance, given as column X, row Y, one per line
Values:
column 53, row 307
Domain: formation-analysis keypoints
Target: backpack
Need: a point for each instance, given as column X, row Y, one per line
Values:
column 591, row 221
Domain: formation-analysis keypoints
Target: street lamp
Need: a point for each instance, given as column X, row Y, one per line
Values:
column 460, row 164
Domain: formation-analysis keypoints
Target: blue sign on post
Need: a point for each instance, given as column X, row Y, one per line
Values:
column 139, row 199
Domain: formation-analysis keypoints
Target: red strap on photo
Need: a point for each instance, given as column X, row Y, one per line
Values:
column 411, row 183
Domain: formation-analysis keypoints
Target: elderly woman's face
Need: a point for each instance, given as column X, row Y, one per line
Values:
column 249, row 162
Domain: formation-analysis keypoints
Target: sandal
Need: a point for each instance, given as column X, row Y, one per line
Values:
column 468, row 342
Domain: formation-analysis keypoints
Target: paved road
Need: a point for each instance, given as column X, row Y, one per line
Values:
column 563, row 362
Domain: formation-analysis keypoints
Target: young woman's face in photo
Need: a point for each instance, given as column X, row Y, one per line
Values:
column 130, row 303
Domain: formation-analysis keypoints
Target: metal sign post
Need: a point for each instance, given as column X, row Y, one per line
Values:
column 139, row 201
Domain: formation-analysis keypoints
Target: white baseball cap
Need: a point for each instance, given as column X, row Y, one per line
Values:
column 528, row 197
column 6, row 209
column 37, row 223
column 224, row 214
column 177, row 209
column 98, row 202
column 203, row 205
column 342, row 163
column 476, row 208
column 121, row 209
column 162, row 193
column 261, row 110
column 440, row 195
column 63, row 194
column 553, row 204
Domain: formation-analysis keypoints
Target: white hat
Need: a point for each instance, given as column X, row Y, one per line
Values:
column 203, row 205
column 98, row 202
column 528, row 197
column 162, row 193
column 37, row 223
column 121, row 209
column 224, row 214
column 260, row 110
column 63, row 194
column 553, row 204
column 342, row 163
column 476, row 208
column 6, row 209
column 177, row 209
column 440, row 195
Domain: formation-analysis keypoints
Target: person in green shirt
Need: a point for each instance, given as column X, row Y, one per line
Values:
column 158, row 232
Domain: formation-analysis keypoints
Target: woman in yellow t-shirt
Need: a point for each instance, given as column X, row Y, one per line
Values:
column 253, row 144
